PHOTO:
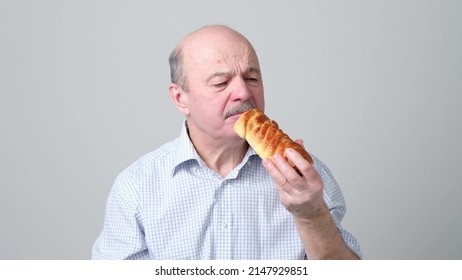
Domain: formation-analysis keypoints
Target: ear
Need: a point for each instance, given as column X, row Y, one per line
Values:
column 179, row 98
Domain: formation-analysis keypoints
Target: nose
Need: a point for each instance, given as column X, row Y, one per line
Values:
column 240, row 90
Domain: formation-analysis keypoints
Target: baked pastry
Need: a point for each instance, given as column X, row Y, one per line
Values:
column 265, row 136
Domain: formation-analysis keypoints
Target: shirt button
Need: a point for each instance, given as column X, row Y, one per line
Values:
column 224, row 226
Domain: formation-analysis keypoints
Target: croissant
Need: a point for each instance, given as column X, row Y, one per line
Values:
column 265, row 136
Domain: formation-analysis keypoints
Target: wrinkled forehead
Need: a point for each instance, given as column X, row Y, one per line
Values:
column 222, row 46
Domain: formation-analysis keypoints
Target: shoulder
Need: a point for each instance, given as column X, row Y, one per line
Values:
column 323, row 170
column 158, row 161
column 332, row 191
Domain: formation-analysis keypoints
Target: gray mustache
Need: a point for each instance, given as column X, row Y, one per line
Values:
column 239, row 109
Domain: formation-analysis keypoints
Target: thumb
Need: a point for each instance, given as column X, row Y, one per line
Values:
column 300, row 142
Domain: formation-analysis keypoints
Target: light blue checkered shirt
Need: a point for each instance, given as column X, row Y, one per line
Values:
column 170, row 205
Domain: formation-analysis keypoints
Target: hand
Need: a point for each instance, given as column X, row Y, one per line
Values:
column 301, row 195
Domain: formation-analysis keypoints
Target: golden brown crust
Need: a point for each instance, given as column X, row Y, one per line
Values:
column 265, row 136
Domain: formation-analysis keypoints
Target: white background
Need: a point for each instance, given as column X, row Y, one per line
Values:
column 373, row 88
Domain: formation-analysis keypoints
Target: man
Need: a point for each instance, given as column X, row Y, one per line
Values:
column 207, row 194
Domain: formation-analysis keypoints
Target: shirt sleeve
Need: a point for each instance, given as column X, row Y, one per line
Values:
column 122, row 236
column 335, row 201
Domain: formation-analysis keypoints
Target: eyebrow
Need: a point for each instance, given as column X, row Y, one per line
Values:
column 252, row 70
column 221, row 74
column 216, row 74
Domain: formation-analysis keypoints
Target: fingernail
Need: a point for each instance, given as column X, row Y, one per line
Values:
column 289, row 151
column 277, row 157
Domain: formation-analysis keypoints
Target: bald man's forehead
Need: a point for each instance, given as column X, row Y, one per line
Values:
column 221, row 58
column 218, row 36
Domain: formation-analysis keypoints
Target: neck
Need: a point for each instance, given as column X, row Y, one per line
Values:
column 220, row 156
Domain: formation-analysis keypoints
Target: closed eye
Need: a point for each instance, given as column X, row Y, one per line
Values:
column 252, row 81
column 222, row 84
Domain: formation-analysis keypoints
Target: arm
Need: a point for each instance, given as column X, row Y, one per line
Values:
column 302, row 195
column 122, row 236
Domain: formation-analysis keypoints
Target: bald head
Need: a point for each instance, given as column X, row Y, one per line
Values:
column 199, row 41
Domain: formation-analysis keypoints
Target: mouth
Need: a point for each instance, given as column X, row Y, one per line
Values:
column 239, row 109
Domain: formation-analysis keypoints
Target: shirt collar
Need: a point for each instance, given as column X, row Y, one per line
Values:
column 185, row 152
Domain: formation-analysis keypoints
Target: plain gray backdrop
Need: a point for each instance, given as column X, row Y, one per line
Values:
column 373, row 87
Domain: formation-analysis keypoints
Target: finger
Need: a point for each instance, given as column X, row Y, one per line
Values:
column 287, row 170
column 278, row 178
column 307, row 170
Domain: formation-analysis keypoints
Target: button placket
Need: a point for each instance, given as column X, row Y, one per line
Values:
column 224, row 221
